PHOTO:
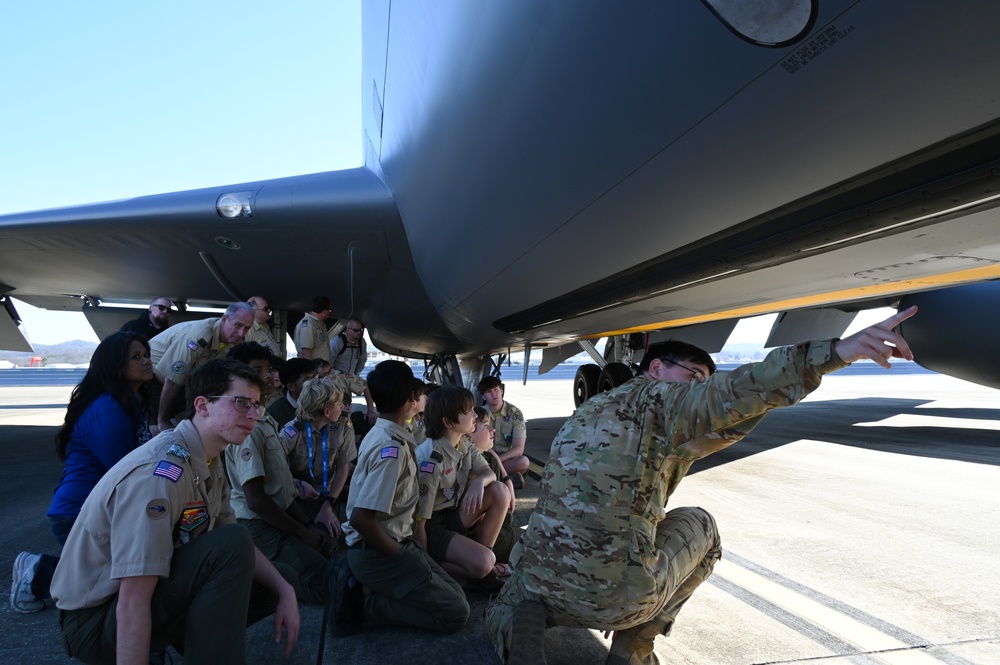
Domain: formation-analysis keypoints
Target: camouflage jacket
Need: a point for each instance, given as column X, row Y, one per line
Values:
column 617, row 460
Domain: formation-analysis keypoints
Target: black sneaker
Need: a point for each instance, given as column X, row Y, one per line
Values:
column 517, row 480
column 345, row 597
column 489, row 585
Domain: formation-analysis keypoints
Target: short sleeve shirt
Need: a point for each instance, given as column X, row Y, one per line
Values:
column 443, row 473
column 311, row 334
column 385, row 481
column 261, row 335
column 340, row 449
column 509, row 424
column 260, row 456
column 181, row 348
column 159, row 497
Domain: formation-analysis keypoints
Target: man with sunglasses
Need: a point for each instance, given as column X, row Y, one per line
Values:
column 349, row 353
column 156, row 557
column 260, row 332
column 153, row 321
column 601, row 551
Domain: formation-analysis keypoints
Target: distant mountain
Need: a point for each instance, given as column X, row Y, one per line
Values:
column 76, row 352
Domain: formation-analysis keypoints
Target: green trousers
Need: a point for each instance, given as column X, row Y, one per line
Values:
column 409, row 588
column 202, row 609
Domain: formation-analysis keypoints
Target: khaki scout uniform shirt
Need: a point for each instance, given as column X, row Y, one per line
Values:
column 385, row 480
column 340, row 447
column 180, row 348
column 260, row 456
column 589, row 548
column 157, row 498
column 311, row 334
column 262, row 335
column 509, row 425
column 443, row 473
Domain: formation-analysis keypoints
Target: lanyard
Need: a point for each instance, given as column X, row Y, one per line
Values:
column 326, row 455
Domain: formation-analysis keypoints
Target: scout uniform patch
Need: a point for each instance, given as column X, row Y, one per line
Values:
column 156, row 509
column 389, row 451
column 168, row 470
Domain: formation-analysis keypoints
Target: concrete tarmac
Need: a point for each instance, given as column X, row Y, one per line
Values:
column 860, row 526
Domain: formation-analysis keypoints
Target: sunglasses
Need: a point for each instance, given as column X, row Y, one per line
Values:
column 162, row 308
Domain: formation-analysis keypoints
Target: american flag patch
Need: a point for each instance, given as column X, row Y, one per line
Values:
column 289, row 430
column 390, row 451
column 168, row 470
column 193, row 346
column 427, row 467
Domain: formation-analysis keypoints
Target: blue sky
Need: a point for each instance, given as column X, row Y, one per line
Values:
column 117, row 99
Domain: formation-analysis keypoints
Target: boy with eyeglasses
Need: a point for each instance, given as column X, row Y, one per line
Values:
column 155, row 557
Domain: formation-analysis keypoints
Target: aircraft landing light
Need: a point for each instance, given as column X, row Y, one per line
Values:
column 234, row 204
column 908, row 420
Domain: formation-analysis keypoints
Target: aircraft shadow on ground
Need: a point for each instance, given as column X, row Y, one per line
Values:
column 838, row 422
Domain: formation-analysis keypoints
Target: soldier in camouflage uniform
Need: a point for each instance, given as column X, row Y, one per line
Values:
column 601, row 551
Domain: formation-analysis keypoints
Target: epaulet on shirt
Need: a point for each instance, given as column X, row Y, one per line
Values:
column 179, row 452
column 437, row 456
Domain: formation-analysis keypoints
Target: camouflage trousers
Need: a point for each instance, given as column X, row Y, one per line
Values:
column 689, row 540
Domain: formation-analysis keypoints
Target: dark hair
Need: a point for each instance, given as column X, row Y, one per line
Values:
column 419, row 388
column 391, row 385
column 446, row 403
column 245, row 352
column 295, row 368
column 106, row 374
column 320, row 363
column 320, row 303
column 481, row 413
column 214, row 377
column 674, row 349
column 489, row 383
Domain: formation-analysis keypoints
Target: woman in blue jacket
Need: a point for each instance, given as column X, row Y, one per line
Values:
column 106, row 418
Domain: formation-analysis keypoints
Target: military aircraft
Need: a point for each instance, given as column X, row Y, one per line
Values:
column 541, row 175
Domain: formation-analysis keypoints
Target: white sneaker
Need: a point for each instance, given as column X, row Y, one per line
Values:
column 21, row 598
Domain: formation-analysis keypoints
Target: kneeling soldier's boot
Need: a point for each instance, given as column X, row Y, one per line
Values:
column 634, row 646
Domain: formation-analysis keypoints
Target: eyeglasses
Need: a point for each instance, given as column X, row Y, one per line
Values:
column 162, row 308
column 242, row 404
column 696, row 374
column 357, row 329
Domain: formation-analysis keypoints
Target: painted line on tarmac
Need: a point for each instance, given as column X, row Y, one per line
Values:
column 843, row 629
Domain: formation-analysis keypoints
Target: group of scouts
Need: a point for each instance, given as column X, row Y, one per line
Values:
column 270, row 445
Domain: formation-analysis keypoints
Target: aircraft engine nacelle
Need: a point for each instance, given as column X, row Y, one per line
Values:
column 956, row 331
